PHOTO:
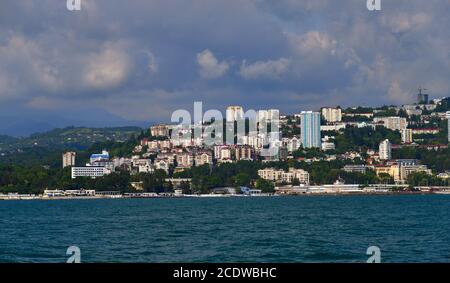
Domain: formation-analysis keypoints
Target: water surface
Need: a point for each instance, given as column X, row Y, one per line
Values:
column 261, row 229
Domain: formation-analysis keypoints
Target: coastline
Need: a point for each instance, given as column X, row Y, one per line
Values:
column 384, row 193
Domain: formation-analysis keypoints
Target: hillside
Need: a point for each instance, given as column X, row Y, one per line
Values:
column 50, row 145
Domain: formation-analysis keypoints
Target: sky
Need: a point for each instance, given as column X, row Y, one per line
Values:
column 118, row 62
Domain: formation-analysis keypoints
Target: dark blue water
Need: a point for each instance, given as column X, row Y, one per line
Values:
column 272, row 229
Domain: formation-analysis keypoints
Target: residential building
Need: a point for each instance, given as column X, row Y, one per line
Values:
column 68, row 159
column 268, row 115
column 400, row 171
column 159, row 130
column 119, row 161
column 223, row 153
column 332, row 115
column 234, row 113
column 169, row 156
column 448, row 126
column 292, row 144
column 275, row 175
column 310, row 129
column 162, row 164
column 202, row 158
column 392, row 123
column 146, row 168
column 327, row 145
column 185, row 159
column 243, row 152
column 407, row 135
column 254, row 140
column 385, row 150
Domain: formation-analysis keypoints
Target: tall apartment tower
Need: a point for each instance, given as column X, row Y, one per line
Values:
column 68, row 159
column 407, row 136
column 385, row 150
column 448, row 122
column 310, row 129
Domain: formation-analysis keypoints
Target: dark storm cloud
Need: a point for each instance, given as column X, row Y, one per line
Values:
column 143, row 59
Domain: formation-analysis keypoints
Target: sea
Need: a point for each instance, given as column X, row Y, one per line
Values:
column 303, row 229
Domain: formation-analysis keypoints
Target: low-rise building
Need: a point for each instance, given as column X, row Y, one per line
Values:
column 275, row 175
column 400, row 171
column 359, row 168
column 203, row 157
column 425, row 131
column 185, row 160
column 162, row 164
column 89, row 171
column 328, row 146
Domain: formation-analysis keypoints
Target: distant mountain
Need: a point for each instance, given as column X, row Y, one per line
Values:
column 23, row 122
column 67, row 138
column 46, row 148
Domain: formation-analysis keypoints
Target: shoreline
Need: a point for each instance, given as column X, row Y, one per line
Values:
column 30, row 198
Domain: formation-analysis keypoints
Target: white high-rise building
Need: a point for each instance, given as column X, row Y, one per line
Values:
column 385, row 150
column 310, row 129
column 332, row 114
column 234, row 113
column 407, row 136
column 68, row 159
column 448, row 122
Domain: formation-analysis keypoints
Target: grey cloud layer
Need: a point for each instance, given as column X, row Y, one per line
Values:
column 144, row 59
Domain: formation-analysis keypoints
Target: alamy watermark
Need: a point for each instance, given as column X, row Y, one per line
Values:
column 73, row 5
column 373, row 5
column 75, row 254
column 375, row 254
column 209, row 128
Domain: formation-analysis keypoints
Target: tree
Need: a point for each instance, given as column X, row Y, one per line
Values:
column 242, row 179
column 265, row 186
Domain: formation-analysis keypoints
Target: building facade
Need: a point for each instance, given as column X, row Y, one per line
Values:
column 275, row 175
column 310, row 129
column 332, row 115
column 385, row 150
column 448, row 125
column 89, row 171
column 68, row 159
column 234, row 113
column 159, row 130
column 407, row 135
column 392, row 123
